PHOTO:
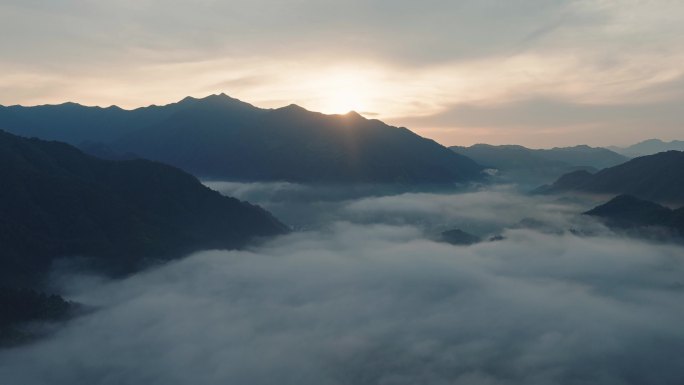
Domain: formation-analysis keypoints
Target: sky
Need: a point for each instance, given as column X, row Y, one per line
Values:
column 535, row 72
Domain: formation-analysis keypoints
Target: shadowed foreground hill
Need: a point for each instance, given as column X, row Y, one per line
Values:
column 628, row 212
column 224, row 138
column 56, row 201
column 658, row 177
column 19, row 307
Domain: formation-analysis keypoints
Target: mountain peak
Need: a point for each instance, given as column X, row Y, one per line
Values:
column 354, row 114
column 221, row 96
column 215, row 99
column 652, row 141
column 623, row 202
column 188, row 99
column 628, row 211
column 68, row 104
column 292, row 108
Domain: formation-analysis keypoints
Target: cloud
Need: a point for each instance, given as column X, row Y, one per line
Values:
column 400, row 59
column 484, row 210
column 402, row 31
column 300, row 206
column 378, row 303
column 556, row 122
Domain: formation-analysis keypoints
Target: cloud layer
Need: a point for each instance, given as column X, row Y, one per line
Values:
column 483, row 210
column 377, row 303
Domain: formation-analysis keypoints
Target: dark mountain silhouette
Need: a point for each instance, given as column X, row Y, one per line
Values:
column 658, row 177
column 75, row 124
column 571, row 180
column 21, row 306
column 539, row 165
column 103, row 151
column 630, row 213
column 222, row 137
column 56, row 201
column 649, row 147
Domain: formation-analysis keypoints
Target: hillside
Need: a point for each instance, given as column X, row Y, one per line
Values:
column 658, row 177
column 21, row 307
column 628, row 212
column 58, row 202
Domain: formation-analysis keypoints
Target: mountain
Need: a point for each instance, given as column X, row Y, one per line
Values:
column 583, row 156
column 19, row 307
column 103, row 151
column 658, row 177
column 56, row 202
column 224, row 138
column 539, row 165
column 74, row 124
column 649, row 147
column 628, row 212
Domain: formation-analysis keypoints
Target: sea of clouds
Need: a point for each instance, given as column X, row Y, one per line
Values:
column 365, row 296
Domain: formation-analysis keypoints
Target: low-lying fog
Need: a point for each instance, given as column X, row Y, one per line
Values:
column 362, row 295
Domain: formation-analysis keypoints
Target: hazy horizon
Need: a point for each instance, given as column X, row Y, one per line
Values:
column 540, row 73
column 364, row 114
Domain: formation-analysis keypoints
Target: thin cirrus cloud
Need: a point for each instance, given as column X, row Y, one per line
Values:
column 397, row 60
column 547, row 122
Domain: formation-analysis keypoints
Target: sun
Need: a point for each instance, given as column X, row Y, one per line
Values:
column 343, row 101
column 343, row 92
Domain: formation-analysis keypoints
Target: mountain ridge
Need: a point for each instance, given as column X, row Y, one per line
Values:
column 649, row 147
column 224, row 138
column 626, row 212
column 537, row 166
column 658, row 177
column 58, row 202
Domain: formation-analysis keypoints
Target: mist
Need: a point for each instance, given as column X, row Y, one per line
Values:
column 477, row 208
column 365, row 296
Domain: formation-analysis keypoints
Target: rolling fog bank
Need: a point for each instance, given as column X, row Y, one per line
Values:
column 362, row 295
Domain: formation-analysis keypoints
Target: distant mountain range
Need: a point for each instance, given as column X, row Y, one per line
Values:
column 523, row 164
column 658, row 177
column 649, row 147
column 626, row 212
column 56, row 201
column 224, row 138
